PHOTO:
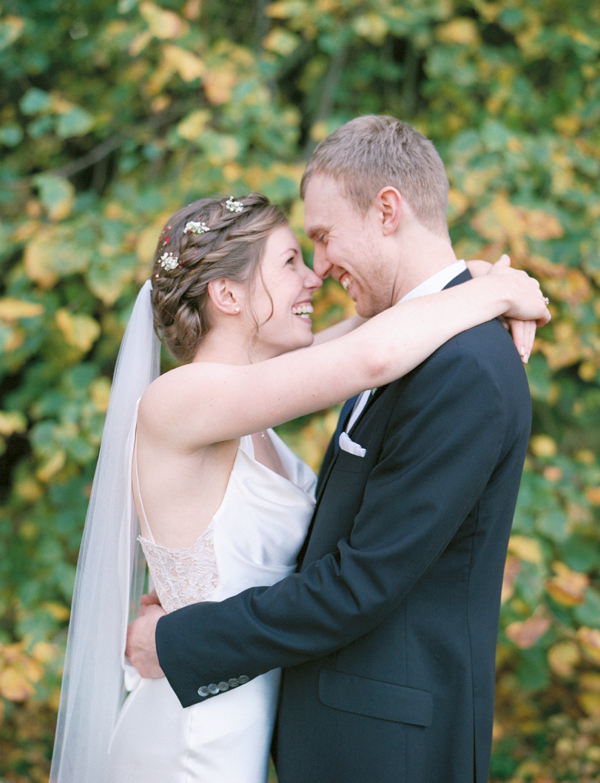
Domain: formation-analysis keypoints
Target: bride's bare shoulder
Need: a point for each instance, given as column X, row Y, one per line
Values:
column 168, row 400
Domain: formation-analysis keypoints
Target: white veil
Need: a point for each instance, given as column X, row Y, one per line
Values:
column 107, row 581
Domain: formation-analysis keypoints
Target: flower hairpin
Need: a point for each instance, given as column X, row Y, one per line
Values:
column 196, row 227
column 168, row 262
column 233, row 206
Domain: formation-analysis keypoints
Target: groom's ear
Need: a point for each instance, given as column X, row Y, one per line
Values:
column 389, row 204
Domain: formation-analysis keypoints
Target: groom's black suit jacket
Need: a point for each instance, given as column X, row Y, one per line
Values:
column 387, row 635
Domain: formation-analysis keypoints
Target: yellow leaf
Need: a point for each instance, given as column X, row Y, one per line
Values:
column 55, row 251
column 593, row 495
column 58, row 611
column 371, row 26
column 590, row 703
column 589, row 639
column 162, row 24
column 219, row 83
column 568, row 124
column 139, row 43
column 52, row 465
column 460, row 31
column 567, row 587
column 511, row 571
column 192, row 9
column 12, row 309
column 159, row 77
column 543, row 446
column 526, row 633
column 28, row 489
column 458, row 203
column 13, row 27
column 187, row 65
column 14, row 686
column 192, row 126
column 286, row 8
column 552, row 473
column 44, row 652
column 281, row 41
column 587, row 371
column 526, row 549
column 319, row 131
column 13, row 421
column 38, row 262
column 99, row 393
column 80, row 331
column 589, row 681
column 564, row 657
column 542, row 225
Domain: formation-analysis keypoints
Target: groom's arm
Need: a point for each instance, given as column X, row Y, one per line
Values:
column 444, row 439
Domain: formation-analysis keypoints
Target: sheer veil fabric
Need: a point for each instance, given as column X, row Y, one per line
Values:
column 109, row 574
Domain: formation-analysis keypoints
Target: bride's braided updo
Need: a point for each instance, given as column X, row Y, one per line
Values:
column 224, row 239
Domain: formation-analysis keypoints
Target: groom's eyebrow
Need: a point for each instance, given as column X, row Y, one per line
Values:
column 313, row 231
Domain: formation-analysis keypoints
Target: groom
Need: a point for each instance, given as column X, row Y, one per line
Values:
column 387, row 634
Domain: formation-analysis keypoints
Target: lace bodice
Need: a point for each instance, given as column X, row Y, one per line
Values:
column 253, row 538
column 182, row 576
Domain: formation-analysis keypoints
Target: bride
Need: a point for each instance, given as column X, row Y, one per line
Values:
column 222, row 503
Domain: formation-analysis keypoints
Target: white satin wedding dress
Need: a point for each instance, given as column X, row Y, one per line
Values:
column 253, row 539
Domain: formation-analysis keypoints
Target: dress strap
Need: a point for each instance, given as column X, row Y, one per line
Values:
column 139, row 492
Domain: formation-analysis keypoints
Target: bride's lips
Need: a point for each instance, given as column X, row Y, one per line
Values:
column 303, row 310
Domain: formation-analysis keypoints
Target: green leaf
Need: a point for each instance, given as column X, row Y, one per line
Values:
column 11, row 135
column 35, row 101
column 56, row 194
column 75, row 122
column 553, row 523
column 588, row 613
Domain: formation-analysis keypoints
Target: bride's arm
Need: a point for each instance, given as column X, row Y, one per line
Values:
column 200, row 403
column 522, row 332
column 339, row 330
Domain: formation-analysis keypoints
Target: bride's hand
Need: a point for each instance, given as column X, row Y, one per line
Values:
column 525, row 299
column 141, row 643
column 148, row 599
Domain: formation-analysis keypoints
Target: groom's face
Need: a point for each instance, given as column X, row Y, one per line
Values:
column 348, row 246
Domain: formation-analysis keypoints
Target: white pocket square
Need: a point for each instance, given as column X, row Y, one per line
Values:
column 347, row 444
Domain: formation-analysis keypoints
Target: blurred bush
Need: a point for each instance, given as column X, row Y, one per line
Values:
column 114, row 114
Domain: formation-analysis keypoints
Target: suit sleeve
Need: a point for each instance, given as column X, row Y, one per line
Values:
column 443, row 441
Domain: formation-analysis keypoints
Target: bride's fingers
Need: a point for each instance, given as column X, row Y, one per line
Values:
column 503, row 261
column 150, row 598
column 523, row 334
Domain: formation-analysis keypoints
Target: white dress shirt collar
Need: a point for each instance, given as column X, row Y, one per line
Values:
column 437, row 282
column 432, row 285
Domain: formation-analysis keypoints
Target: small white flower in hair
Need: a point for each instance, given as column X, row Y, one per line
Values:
column 168, row 261
column 196, row 227
column 233, row 206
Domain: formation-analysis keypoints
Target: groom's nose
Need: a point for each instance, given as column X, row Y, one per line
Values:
column 321, row 265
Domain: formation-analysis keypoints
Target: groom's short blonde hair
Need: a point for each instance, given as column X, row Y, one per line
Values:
column 373, row 151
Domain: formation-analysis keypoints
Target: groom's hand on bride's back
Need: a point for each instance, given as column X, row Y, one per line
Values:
column 141, row 644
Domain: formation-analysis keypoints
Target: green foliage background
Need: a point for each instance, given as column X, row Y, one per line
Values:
column 115, row 113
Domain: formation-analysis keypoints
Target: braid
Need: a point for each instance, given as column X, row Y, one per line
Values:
column 220, row 243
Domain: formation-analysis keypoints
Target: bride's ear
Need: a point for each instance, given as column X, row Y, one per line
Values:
column 225, row 295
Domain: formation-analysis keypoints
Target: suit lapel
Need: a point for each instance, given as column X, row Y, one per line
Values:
column 332, row 449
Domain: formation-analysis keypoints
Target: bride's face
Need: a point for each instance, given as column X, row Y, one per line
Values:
column 281, row 296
